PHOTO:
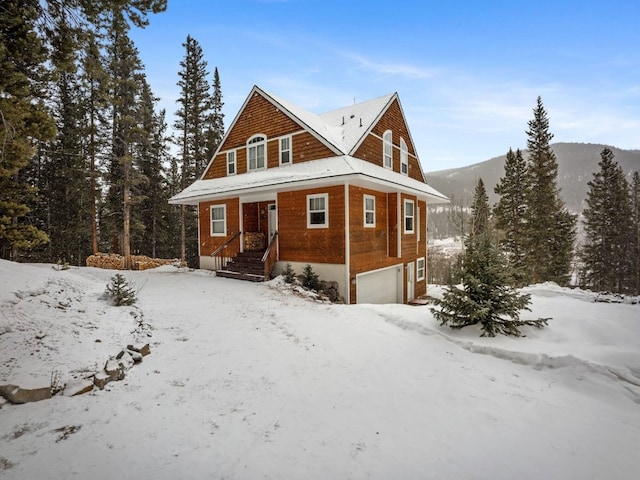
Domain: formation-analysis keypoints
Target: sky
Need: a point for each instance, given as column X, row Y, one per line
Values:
column 467, row 73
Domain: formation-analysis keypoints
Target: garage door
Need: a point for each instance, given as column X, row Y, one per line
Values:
column 380, row 286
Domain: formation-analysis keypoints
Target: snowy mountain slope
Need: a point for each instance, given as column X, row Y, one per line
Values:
column 253, row 381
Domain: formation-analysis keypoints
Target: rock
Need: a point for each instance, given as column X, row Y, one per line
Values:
column 78, row 387
column 101, row 379
column 143, row 348
column 125, row 359
column 114, row 369
column 3, row 401
column 136, row 356
column 17, row 395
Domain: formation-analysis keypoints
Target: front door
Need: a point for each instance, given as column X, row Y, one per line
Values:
column 410, row 281
column 273, row 221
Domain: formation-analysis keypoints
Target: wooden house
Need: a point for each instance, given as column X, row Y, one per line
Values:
column 342, row 191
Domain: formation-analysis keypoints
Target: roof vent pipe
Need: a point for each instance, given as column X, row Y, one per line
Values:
column 360, row 121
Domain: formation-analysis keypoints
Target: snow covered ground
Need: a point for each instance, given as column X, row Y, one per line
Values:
column 250, row 381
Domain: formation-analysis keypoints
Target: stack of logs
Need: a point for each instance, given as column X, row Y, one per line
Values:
column 114, row 261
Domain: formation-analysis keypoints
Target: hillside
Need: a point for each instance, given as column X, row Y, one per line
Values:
column 576, row 164
column 249, row 381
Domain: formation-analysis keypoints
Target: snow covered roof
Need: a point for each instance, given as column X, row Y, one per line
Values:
column 342, row 168
column 344, row 127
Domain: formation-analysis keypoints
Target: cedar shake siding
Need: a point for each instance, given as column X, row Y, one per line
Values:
column 336, row 160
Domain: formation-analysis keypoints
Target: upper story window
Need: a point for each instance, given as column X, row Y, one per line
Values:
column 285, row 151
column 256, row 153
column 387, row 149
column 404, row 157
column 317, row 211
column 409, row 216
column 369, row 211
column 231, row 162
column 218, row 220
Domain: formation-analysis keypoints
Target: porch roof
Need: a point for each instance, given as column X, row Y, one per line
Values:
column 316, row 173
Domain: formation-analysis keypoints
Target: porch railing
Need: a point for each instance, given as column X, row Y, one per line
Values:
column 270, row 256
column 225, row 252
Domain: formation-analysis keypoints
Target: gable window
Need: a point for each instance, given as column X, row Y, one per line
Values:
column 408, row 216
column 231, row 163
column 256, row 152
column 285, row 151
column 404, row 157
column 387, row 147
column 420, row 269
column 369, row 211
column 218, row 220
column 317, row 211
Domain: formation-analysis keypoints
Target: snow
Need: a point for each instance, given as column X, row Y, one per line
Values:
column 250, row 381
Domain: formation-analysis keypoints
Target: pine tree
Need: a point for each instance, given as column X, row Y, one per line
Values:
column 635, row 232
column 24, row 121
column 193, row 118
column 608, row 224
column 215, row 124
column 550, row 226
column 486, row 297
column 511, row 211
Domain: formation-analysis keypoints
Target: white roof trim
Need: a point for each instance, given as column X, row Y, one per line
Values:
column 326, row 171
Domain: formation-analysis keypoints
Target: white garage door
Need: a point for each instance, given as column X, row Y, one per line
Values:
column 380, row 286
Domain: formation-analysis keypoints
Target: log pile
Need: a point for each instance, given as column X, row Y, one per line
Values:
column 113, row 261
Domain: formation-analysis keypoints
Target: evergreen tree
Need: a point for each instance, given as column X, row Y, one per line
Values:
column 635, row 232
column 24, row 121
column 215, row 126
column 608, row 223
column 510, row 213
column 486, row 297
column 550, row 226
column 194, row 116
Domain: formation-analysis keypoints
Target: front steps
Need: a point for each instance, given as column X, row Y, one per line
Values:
column 245, row 266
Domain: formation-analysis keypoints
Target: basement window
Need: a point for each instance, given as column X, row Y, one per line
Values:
column 317, row 211
column 218, row 220
column 420, row 269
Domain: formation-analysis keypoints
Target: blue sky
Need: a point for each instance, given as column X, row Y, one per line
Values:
column 467, row 73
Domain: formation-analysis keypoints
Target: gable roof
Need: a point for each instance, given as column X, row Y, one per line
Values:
column 342, row 168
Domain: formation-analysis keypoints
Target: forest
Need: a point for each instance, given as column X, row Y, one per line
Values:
column 87, row 163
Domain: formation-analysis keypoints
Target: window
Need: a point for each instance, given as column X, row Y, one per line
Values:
column 420, row 269
column 317, row 212
column 231, row 163
column 408, row 216
column 218, row 220
column 285, row 151
column 256, row 152
column 369, row 211
column 404, row 157
column 387, row 153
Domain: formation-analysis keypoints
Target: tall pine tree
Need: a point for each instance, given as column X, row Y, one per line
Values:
column 194, row 117
column 24, row 122
column 486, row 298
column 551, row 228
column 635, row 232
column 608, row 226
column 511, row 213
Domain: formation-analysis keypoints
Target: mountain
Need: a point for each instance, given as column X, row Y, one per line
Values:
column 576, row 164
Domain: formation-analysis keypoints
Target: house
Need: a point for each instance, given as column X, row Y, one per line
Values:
column 342, row 191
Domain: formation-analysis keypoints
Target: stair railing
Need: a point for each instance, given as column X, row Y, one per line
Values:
column 270, row 256
column 225, row 252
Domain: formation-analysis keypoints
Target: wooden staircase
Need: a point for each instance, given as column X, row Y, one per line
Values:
column 245, row 266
